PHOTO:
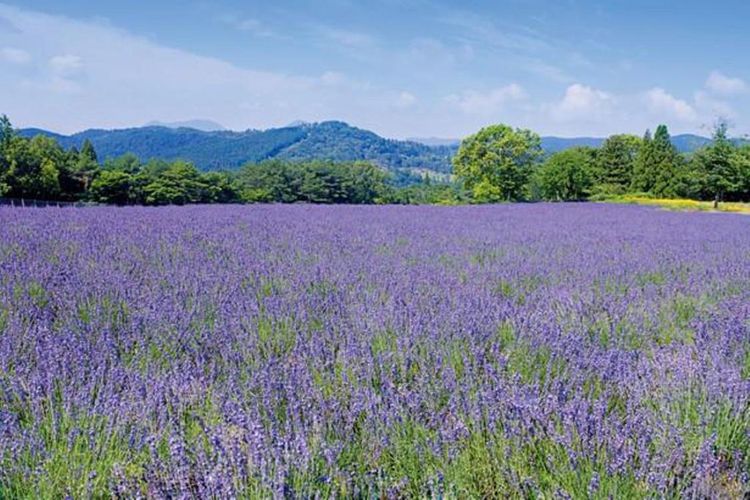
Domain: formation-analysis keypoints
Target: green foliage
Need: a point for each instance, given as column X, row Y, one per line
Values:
column 615, row 161
column 567, row 175
column 6, row 138
column 125, row 180
column 112, row 186
column 314, row 182
column 496, row 162
column 179, row 184
column 338, row 142
column 719, row 167
column 39, row 168
column 430, row 193
column 33, row 167
column 86, row 166
column 657, row 165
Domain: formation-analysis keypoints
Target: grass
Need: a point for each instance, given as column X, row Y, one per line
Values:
column 681, row 204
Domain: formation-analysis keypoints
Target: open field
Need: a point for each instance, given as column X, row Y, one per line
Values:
column 488, row 351
column 683, row 204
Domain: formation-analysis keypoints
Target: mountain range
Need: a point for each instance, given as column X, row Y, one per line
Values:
column 214, row 148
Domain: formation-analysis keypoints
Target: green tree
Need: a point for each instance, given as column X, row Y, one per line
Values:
column 270, row 181
column 219, row 188
column 34, row 168
column 369, row 183
column 318, row 185
column 86, row 166
column 496, row 162
column 742, row 159
column 179, row 184
column 128, row 163
column 657, row 165
column 6, row 138
column 112, row 186
column 567, row 175
column 616, row 162
column 313, row 182
column 721, row 166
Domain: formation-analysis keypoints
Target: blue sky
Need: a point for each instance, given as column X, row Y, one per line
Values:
column 408, row 68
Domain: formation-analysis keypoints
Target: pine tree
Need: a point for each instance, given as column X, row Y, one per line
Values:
column 616, row 161
column 719, row 165
column 666, row 163
column 88, row 152
column 87, row 165
column 642, row 181
column 657, row 164
column 6, row 136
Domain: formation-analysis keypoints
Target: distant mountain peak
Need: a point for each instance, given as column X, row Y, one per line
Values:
column 202, row 125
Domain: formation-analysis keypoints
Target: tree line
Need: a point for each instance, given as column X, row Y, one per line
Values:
column 500, row 163
column 39, row 168
column 497, row 164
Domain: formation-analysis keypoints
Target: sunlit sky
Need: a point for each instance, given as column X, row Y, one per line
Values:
column 405, row 68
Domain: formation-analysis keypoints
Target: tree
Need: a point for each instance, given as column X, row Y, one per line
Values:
column 180, row 183
column 128, row 163
column 220, row 188
column 112, row 186
column 313, row 182
column 721, row 165
column 616, row 162
column 86, row 166
column 33, row 168
column 496, row 162
column 270, row 181
column 369, row 183
column 742, row 160
column 6, row 137
column 567, row 175
column 657, row 164
column 642, row 175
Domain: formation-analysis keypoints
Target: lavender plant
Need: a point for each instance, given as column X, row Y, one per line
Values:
column 306, row 351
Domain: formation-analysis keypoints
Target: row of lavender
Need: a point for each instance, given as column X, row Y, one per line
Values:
column 564, row 350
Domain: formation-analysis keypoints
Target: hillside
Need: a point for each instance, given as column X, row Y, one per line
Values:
column 211, row 150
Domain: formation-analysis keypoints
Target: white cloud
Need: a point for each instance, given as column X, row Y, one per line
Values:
column 15, row 56
column 74, row 74
column 722, row 84
column 706, row 104
column 582, row 101
column 96, row 75
column 66, row 65
column 405, row 99
column 661, row 102
column 487, row 103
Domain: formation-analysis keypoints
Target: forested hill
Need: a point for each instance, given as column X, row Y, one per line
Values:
column 211, row 150
column 332, row 140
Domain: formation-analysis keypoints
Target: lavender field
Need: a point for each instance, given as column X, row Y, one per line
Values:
column 306, row 351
